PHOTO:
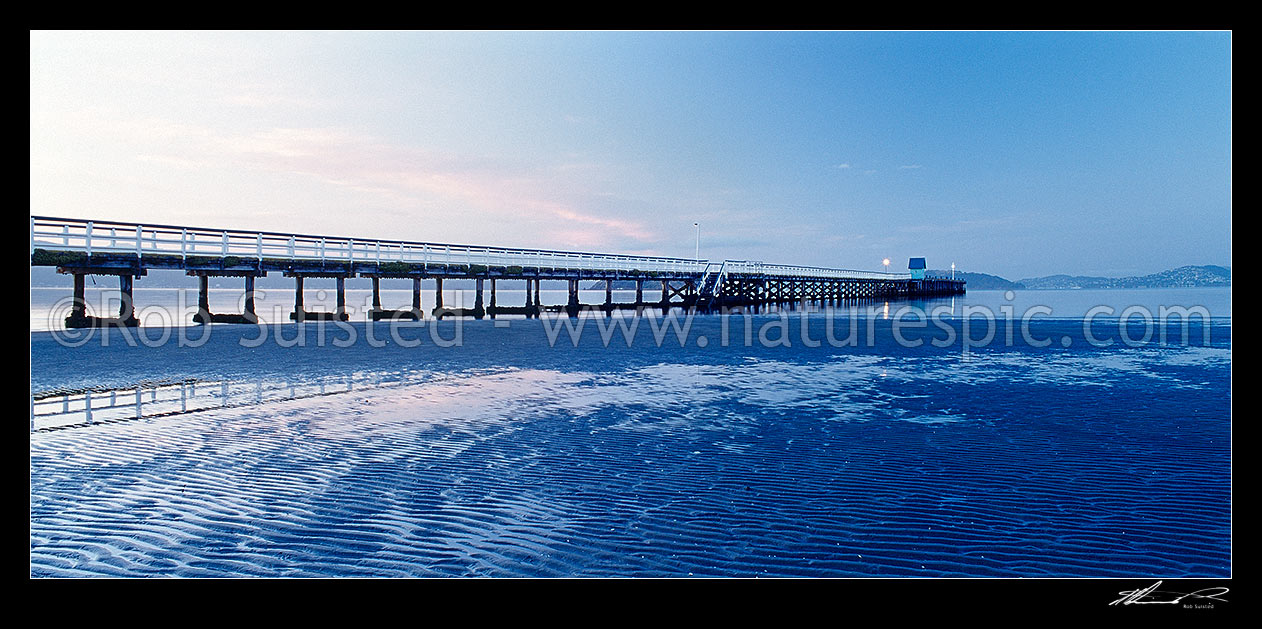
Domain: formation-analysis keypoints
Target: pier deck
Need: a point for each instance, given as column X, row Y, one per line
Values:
column 129, row 250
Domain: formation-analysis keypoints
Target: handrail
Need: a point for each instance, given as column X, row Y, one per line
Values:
column 237, row 236
column 718, row 280
column 760, row 268
column 117, row 237
column 183, row 241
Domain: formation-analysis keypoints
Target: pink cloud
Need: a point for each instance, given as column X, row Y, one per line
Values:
column 544, row 200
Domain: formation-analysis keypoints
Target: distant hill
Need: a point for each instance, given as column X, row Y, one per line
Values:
column 978, row 281
column 1182, row 277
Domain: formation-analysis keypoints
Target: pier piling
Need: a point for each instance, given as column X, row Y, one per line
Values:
column 79, row 309
column 571, row 305
column 127, row 305
column 378, row 313
column 438, row 298
column 203, row 300
column 341, row 298
column 204, row 315
column 249, row 297
column 300, row 313
column 478, row 310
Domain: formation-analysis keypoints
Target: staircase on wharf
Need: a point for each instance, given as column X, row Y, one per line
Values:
column 129, row 250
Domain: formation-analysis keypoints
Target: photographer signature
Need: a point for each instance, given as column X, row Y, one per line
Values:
column 1151, row 595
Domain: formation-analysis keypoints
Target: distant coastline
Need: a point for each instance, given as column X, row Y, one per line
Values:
column 1181, row 277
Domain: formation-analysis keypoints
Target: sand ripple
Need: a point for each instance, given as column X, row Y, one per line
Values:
column 853, row 466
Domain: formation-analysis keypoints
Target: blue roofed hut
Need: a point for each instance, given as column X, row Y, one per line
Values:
column 917, row 267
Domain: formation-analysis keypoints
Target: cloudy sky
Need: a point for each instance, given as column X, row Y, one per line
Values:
column 1019, row 154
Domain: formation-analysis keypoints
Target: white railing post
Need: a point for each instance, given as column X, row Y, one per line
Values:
column 225, row 245
column 139, row 239
column 321, row 251
column 88, row 239
column 291, row 246
column 183, row 243
column 260, row 246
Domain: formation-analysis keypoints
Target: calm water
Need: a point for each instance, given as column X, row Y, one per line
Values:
column 767, row 445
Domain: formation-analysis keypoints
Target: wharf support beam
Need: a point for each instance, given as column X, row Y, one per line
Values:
column 79, row 317
column 378, row 313
column 300, row 313
column 204, row 315
column 528, row 310
column 571, row 304
column 686, row 291
column 439, row 310
column 479, row 309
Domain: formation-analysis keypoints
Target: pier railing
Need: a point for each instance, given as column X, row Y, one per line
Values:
column 114, row 237
column 813, row 272
column 67, row 234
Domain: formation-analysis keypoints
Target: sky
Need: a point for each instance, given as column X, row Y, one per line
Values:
column 1015, row 153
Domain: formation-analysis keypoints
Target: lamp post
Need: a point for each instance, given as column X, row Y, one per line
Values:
column 886, row 262
column 952, row 270
column 697, row 255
